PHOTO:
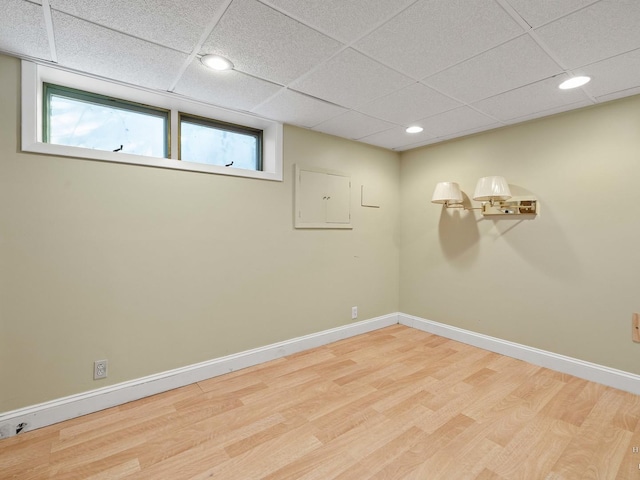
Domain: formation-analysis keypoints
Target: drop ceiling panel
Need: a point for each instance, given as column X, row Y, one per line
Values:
column 607, row 28
column 530, row 100
column 619, row 94
column 419, row 144
column 265, row 43
column 351, row 79
column 173, row 24
column 539, row 12
column 292, row 107
column 397, row 138
column 471, row 131
column 359, row 68
column 344, row 20
column 513, row 64
column 226, row 89
column 552, row 111
column 458, row 120
column 22, row 29
column 408, row 104
column 432, row 35
column 612, row 75
column 91, row 48
column 353, row 125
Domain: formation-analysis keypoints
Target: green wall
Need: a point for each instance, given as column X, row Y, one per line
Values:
column 566, row 281
column 155, row 269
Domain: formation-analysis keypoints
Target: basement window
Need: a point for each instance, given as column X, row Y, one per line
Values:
column 71, row 115
column 203, row 140
column 88, row 120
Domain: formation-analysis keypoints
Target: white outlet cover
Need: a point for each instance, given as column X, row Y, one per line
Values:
column 100, row 369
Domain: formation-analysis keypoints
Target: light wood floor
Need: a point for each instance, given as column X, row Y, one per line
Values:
column 392, row 404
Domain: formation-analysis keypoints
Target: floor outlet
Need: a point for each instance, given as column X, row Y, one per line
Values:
column 354, row 313
column 100, row 369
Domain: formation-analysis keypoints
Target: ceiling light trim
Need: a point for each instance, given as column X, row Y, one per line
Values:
column 574, row 82
column 217, row 63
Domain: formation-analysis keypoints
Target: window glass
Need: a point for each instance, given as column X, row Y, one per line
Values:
column 81, row 119
column 66, row 114
column 214, row 143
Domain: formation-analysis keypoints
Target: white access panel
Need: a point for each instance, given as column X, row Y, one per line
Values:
column 339, row 199
column 322, row 198
column 312, row 197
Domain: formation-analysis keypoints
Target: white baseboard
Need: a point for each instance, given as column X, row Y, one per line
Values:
column 58, row 410
column 611, row 377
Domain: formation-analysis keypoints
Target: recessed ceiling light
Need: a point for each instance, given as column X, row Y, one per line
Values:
column 574, row 82
column 216, row 62
column 414, row 129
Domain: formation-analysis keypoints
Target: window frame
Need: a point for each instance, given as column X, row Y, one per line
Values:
column 105, row 101
column 219, row 125
column 35, row 74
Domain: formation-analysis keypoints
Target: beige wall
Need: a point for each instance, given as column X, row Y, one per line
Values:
column 566, row 281
column 155, row 269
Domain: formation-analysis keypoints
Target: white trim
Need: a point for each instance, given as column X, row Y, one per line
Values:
column 61, row 409
column 34, row 74
column 593, row 372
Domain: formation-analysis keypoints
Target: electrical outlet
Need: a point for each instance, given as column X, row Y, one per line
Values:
column 100, row 369
column 354, row 313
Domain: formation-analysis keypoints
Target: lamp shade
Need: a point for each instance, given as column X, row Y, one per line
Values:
column 447, row 192
column 492, row 188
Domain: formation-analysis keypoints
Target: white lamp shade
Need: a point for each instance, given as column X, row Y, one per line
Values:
column 492, row 188
column 447, row 192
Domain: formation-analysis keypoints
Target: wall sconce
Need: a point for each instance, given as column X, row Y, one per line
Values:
column 449, row 194
column 494, row 194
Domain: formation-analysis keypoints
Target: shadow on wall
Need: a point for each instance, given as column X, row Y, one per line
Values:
column 538, row 240
column 541, row 243
column 550, row 254
column 459, row 234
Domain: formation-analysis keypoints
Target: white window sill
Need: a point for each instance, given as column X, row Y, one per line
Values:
column 33, row 76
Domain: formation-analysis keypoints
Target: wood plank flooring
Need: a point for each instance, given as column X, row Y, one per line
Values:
column 396, row 403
